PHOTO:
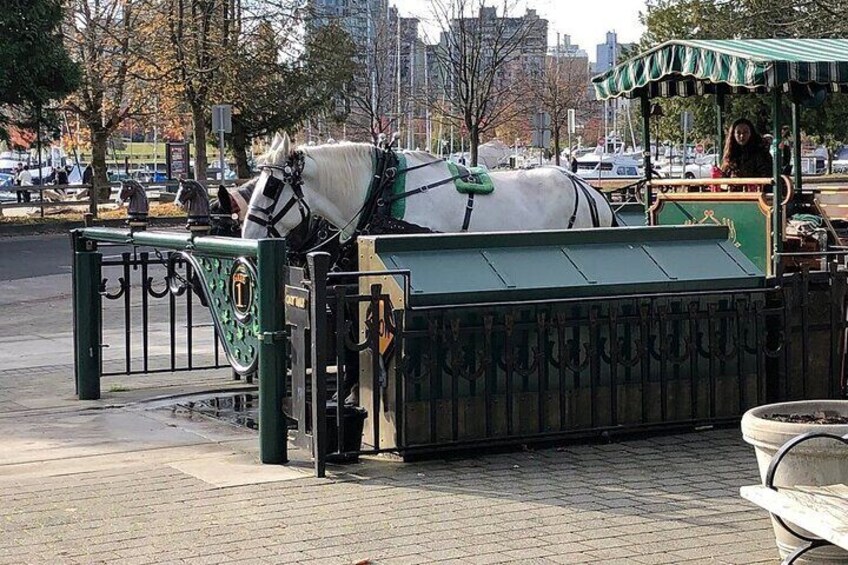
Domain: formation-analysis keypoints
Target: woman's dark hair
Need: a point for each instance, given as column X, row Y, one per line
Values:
column 732, row 150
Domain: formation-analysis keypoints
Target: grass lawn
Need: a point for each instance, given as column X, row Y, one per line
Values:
column 75, row 213
column 141, row 153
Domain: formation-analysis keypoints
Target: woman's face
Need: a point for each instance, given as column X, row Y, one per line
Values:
column 742, row 134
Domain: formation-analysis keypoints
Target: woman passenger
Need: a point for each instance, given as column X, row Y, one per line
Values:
column 745, row 152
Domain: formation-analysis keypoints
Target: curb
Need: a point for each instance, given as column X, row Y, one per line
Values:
column 11, row 230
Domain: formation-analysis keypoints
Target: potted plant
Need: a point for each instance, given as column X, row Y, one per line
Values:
column 815, row 462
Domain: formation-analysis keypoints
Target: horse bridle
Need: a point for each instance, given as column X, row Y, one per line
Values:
column 293, row 177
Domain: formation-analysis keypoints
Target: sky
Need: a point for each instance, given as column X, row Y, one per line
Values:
column 587, row 21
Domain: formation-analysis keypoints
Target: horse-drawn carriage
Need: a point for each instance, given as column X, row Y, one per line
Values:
column 460, row 340
column 802, row 70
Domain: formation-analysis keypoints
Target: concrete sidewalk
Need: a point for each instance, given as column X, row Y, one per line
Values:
column 129, row 480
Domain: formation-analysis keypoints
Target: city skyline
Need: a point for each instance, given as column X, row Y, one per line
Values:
column 579, row 20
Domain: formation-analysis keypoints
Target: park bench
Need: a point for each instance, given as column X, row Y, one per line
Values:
column 820, row 510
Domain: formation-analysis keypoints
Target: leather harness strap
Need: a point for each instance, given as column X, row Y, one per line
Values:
column 469, row 208
column 576, row 207
column 593, row 206
column 422, row 189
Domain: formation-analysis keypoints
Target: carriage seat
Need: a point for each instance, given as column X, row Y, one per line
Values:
column 475, row 180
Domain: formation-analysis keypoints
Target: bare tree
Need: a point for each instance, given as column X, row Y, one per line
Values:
column 563, row 86
column 485, row 60
column 103, row 38
column 199, row 35
column 271, row 93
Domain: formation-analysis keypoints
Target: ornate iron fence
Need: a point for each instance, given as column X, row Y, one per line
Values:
column 239, row 280
column 457, row 376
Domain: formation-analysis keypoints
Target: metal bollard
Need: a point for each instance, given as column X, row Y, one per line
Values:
column 273, row 428
column 87, row 314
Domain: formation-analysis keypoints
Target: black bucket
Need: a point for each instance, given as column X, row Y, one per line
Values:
column 354, row 421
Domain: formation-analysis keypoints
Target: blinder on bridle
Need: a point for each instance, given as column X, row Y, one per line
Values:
column 293, row 177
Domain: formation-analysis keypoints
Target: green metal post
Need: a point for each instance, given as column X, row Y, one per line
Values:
column 646, row 150
column 777, row 215
column 273, row 432
column 719, row 108
column 87, row 317
column 796, row 145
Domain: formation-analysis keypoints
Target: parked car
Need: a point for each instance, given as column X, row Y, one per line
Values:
column 7, row 180
column 7, row 188
column 607, row 166
column 699, row 167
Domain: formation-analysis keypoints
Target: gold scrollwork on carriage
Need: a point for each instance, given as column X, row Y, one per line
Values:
column 710, row 219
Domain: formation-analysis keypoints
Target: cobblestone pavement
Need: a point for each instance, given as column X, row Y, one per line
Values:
column 121, row 482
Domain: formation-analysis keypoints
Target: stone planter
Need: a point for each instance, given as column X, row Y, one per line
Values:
column 815, row 462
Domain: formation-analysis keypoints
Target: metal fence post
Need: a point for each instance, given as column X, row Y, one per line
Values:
column 273, row 429
column 87, row 317
column 319, row 266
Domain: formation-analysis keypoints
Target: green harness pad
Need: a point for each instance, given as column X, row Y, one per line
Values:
column 399, row 206
column 478, row 180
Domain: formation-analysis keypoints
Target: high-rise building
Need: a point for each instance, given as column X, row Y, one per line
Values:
column 360, row 18
column 531, row 30
column 399, row 72
column 609, row 53
column 565, row 48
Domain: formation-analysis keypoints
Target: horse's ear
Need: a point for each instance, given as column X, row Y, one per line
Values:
column 285, row 148
column 278, row 140
column 224, row 200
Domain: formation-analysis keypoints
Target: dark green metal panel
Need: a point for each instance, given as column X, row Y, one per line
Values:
column 459, row 268
column 631, row 214
column 748, row 224
column 234, row 311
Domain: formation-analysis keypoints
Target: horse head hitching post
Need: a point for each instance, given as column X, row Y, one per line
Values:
column 139, row 207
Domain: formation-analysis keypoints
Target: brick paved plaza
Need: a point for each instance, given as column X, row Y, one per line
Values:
column 124, row 481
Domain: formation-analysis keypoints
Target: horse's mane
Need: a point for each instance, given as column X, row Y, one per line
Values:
column 344, row 167
column 337, row 165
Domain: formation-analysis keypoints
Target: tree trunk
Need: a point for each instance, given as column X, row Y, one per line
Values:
column 100, row 190
column 198, row 116
column 474, row 140
column 240, row 145
column 556, row 145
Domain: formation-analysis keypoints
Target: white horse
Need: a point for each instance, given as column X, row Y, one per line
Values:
column 334, row 182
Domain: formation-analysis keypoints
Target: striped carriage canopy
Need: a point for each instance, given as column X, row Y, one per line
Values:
column 698, row 67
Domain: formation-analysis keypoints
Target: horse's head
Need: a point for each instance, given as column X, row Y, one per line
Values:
column 278, row 204
column 186, row 191
column 299, row 184
column 224, row 214
column 133, row 191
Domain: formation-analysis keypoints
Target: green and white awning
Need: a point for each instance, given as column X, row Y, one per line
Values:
column 697, row 67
